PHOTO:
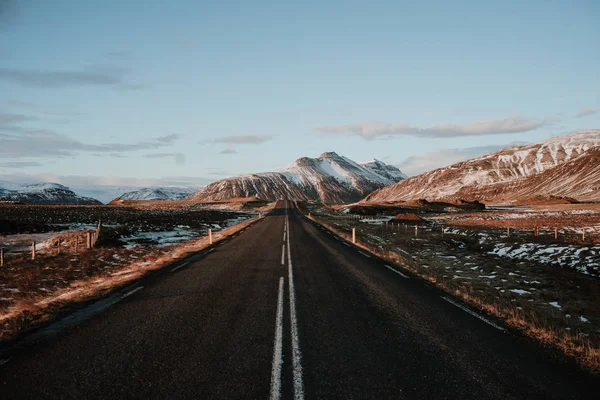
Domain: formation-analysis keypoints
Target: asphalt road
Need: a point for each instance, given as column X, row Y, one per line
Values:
column 284, row 310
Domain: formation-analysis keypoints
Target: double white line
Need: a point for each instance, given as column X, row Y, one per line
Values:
column 278, row 347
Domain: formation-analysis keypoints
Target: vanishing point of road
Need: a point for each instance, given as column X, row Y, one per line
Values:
column 284, row 310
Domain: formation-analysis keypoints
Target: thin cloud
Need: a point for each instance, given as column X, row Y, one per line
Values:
column 112, row 77
column 586, row 112
column 178, row 157
column 20, row 164
column 377, row 129
column 228, row 151
column 45, row 143
column 244, row 139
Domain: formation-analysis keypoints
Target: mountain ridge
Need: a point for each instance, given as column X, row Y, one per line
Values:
column 483, row 178
column 329, row 178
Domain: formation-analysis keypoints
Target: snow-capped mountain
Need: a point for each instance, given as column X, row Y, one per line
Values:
column 330, row 178
column 41, row 193
column 510, row 174
column 159, row 193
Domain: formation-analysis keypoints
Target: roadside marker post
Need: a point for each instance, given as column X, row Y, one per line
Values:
column 354, row 235
column 1, row 256
column 508, row 230
column 555, row 233
column 416, row 231
column 33, row 251
column 210, row 236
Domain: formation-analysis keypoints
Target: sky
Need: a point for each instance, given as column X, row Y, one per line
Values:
column 156, row 93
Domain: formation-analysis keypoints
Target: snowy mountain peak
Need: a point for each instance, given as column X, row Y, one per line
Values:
column 42, row 193
column 158, row 193
column 502, row 171
column 331, row 178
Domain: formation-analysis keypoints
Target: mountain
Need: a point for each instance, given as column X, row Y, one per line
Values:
column 42, row 193
column 554, row 167
column 164, row 193
column 330, row 178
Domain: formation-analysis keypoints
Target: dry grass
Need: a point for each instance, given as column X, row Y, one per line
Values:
column 533, row 322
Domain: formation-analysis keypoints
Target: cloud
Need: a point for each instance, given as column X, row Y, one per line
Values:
column 178, row 157
column 8, row 120
column 376, row 129
column 425, row 162
column 94, row 76
column 244, row 139
column 20, row 164
column 586, row 112
column 228, row 151
column 45, row 143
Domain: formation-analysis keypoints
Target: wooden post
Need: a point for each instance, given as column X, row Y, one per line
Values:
column 353, row 235
column 583, row 235
column 1, row 256
column 210, row 236
column 555, row 233
column 33, row 251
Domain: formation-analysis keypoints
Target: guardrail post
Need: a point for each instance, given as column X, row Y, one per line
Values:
column 33, row 251
column 353, row 235
column 210, row 236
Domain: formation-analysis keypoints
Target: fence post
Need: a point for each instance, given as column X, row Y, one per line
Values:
column 353, row 235
column 210, row 236
column 33, row 251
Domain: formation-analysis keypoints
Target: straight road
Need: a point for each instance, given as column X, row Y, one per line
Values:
column 286, row 311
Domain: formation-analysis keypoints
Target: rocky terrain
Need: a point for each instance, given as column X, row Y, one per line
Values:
column 562, row 166
column 329, row 178
column 42, row 193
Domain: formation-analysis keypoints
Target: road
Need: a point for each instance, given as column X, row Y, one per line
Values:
column 284, row 311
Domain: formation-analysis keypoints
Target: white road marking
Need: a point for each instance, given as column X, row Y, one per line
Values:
column 284, row 235
column 296, row 354
column 180, row 266
column 487, row 321
column 347, row 244
column 396, row 271
column 278, row 347
column 283, row 254
column 364, row 254
column 132, row 291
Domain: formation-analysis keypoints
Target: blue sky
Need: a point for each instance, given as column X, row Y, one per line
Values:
column 188, row 92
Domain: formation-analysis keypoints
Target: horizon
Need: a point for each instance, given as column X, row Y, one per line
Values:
column 184, row 95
